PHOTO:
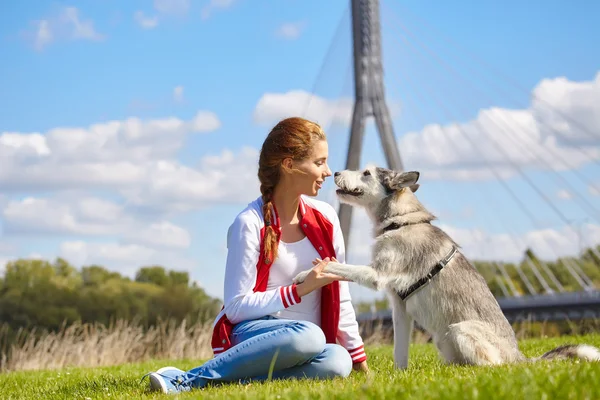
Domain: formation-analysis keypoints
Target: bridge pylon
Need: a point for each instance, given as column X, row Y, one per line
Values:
column 369, row 95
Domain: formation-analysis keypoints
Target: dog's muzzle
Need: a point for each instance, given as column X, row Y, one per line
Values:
column 353, row 192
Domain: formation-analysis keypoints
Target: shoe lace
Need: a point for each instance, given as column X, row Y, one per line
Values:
column 179, row 381
column 182, row 381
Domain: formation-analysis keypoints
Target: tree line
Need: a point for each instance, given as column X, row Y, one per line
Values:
column 38, row 295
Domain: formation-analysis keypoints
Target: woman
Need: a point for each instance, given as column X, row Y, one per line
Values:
column 269, row 327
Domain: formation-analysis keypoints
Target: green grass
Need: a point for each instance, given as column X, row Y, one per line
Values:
column 426, row 378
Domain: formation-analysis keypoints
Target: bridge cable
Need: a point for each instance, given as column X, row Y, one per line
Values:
column 508, row 279
column 514, row 138
column 499, row 147
column 500, row 282
column 544, row 197
column 341, row 26
column 491, row 200
column 493, row 69
column 512, row 236
column 513, row 195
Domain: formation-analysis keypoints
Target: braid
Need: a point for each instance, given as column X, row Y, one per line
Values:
column 270, row 239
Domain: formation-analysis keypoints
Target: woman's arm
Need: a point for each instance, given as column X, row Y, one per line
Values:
column 243, row 247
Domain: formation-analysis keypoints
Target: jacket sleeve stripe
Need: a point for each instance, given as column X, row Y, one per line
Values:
column 289, row 295
column 357, row 350
column 294, row 291
column 286, row 303
column 359, row 358
column 358, row 354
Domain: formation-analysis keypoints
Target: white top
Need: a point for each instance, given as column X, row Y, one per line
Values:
column 294, row 258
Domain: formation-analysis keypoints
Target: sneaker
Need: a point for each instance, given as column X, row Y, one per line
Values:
column 169, row 380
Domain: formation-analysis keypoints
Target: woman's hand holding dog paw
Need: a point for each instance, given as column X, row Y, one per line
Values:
column 316, row 278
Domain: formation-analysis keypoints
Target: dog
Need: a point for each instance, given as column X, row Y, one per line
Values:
column 427, row 277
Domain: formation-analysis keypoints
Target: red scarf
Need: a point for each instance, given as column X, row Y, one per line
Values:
column 319, row 231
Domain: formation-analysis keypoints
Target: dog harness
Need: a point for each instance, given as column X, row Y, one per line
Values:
column 427, row 278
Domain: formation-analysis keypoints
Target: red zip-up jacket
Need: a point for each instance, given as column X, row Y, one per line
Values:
column 247, row 275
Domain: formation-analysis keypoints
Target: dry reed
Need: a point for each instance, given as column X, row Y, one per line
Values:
column 93, row 345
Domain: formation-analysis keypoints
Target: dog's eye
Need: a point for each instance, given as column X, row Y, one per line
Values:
column 367, row 173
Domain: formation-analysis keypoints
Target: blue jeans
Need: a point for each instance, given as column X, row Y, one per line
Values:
column 297, row 349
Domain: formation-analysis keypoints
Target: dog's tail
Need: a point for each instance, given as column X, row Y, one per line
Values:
column 576, row 351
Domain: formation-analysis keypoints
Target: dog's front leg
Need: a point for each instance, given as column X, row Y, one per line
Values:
column 403, row 327
column 364, row 275
column 361, row 274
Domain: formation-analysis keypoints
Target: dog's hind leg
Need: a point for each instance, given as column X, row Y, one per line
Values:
column 474, row 343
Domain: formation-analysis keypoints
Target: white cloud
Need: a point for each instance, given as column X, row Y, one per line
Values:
column 173, row 7
column 215, row 5
column 67, row 24
column 132, row 159
column 225, row 178
column 81, row 29
column 205, row 121
column 43, row 35
column 594, row 190
column 145, row 21
column 161, row 234
column 163, row 9
column 89, row 216
column 272, row 107
column 111, row 154
column 571, row 108
column 503, row 138
column 178, row 93
column 291, row 30
column 564, row 194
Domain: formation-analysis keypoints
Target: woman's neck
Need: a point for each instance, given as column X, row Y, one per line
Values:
column 287, row 203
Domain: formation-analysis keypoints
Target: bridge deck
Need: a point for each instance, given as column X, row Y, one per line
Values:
column 555, row 307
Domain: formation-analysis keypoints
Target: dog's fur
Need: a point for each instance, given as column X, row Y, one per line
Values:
column 456, row 307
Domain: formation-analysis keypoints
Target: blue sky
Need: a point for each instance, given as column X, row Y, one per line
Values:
column 242, row 65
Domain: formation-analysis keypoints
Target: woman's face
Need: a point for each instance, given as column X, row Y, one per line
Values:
column 313, row 170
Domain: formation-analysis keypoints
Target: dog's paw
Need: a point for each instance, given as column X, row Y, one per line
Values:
column 301, row 277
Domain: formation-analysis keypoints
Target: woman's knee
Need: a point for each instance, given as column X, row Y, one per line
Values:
column 308, row 339
column 336, row 361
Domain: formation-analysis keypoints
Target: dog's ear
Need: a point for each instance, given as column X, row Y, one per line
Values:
column 414, row 188
column 397, row 180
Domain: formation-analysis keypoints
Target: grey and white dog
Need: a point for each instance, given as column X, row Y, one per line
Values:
column 427, row 278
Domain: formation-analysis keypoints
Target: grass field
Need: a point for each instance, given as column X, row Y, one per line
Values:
column 426, row 378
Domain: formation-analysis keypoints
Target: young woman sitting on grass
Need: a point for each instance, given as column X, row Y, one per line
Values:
column 267, row 324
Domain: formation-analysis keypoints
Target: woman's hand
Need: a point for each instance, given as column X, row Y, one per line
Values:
column 361, row 367
column 316, row 278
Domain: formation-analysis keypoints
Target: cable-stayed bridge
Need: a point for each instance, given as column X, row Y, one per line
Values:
column 523, row 164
